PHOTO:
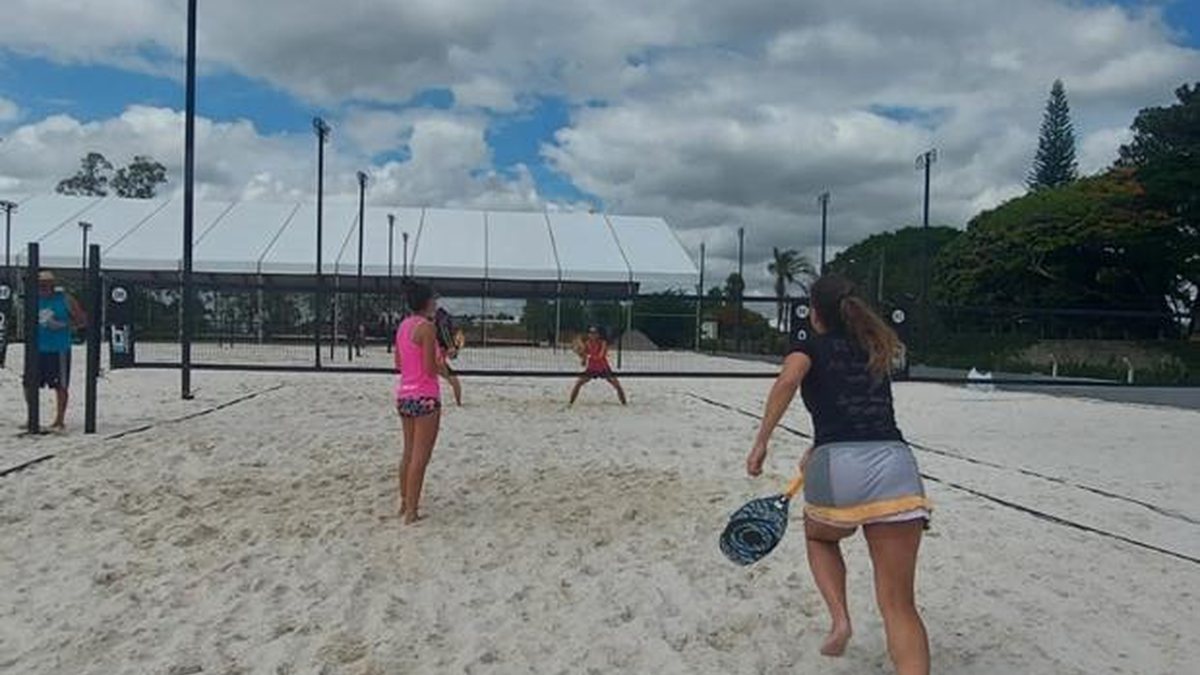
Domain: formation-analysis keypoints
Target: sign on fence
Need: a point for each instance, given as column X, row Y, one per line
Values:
column 121, row 343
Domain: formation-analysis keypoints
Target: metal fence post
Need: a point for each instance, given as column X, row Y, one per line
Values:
column 95, row 301
column 32, row 367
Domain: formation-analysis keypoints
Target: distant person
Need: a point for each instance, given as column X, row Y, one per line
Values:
column 859, row 471
column 593, row 354
column 418, row 395
column 448, row 345
column 58, row 313
column 360, row 339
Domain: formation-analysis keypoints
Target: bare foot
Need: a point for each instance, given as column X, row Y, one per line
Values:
column 410, row 519
column 835, row 642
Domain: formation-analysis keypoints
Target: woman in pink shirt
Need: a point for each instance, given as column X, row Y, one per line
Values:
column 418, row 395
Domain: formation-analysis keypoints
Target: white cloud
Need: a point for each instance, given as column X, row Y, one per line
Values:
column 712, row 114
column 9, row 111
column 449, row 162
column 1098, row 149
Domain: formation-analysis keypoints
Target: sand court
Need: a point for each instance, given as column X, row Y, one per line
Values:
column 260, row 537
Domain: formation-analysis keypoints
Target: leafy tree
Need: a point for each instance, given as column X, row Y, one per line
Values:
column 668, row 319
column 789, row 268
column 1054, row 164
column 887, row 266
column 140, row 180
column 1095, row 243
column 91, row 180
column 735, row 286
column 1165, row 156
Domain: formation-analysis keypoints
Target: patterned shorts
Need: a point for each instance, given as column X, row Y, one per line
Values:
column 418, row 407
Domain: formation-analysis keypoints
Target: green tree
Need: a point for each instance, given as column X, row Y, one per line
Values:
column 668, row 319
column 1165, row 156
column 140, row 180
column 1054, row 164
column 887, row 266
column 1095, row 243
column 735, row 286
column 789, row 268
column 91, row 180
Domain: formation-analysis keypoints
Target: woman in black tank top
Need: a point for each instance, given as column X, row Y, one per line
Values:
column 859, row 471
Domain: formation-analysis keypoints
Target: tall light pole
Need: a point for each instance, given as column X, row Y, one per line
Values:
column 189, row 196
column 358, row 290
column 741, row 286
column 8, row 207
column 391, row 293
column 406, row 270
column 925, row 162
column 823, row 200
column 7, row 282
column 700, row 296
column 322, row 131
column 84, row 228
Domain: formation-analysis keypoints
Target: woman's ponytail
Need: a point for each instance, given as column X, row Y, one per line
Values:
column 840, row 309
column 871, row 333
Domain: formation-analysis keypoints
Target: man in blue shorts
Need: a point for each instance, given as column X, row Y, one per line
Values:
column 58, row 313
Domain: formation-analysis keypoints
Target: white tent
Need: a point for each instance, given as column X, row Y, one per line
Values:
column 273, row 239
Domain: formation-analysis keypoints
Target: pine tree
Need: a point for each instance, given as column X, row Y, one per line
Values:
column 1055, row 164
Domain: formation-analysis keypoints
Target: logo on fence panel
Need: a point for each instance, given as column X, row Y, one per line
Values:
column 800, row 329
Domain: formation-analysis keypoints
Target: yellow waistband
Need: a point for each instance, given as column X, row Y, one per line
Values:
column 857, row 514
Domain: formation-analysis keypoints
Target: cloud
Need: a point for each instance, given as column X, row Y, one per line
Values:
column 711, row 114
column 9, row 111
column 449, row 161
column 1098, row 150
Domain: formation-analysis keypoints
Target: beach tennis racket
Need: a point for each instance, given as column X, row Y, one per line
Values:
column 757, row 528
column 580, row 348
column 445, row 328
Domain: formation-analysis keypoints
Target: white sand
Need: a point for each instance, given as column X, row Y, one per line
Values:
column 258, row 538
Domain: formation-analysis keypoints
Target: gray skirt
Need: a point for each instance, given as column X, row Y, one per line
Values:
column 852, row 484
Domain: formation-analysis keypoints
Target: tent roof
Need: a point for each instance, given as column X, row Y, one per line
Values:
column 262, row 238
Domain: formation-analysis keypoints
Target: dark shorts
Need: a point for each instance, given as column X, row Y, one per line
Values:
column 418, row 407
column 54, row 370
column 599, row 374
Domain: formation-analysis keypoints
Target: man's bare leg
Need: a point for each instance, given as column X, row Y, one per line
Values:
column 61, row 398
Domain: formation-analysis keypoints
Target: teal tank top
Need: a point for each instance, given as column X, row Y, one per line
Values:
column 54, row 324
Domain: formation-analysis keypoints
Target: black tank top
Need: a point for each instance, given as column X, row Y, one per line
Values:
column 847, row 402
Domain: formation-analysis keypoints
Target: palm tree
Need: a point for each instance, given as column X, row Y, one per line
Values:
column 788, row 267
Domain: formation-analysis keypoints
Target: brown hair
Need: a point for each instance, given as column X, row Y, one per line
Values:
column 841, row 310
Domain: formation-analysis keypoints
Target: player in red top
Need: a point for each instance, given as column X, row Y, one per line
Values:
column 594, row 355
